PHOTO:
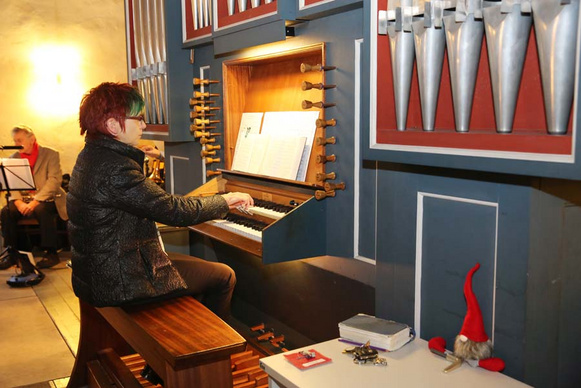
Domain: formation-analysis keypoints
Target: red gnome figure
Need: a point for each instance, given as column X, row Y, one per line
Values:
column 473, row 343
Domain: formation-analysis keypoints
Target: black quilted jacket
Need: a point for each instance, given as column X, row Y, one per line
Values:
column 117, row 257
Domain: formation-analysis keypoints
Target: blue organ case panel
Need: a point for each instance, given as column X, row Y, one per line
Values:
column 464, row 218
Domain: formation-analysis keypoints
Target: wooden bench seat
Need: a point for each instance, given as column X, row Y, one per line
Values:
column 184, row 342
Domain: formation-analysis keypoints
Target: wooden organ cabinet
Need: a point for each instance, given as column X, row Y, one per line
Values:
column 285, row 224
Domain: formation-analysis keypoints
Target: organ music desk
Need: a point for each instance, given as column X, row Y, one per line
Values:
column 411, row 366
column 287, row 223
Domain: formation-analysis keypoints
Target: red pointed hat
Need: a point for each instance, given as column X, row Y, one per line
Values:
column 473, row 326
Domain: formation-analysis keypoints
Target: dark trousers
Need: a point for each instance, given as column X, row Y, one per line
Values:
column 212, row 282
column 45, row 213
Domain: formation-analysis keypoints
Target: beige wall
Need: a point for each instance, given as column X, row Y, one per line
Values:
column 95, row 29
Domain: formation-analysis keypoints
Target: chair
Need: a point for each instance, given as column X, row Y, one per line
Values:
column 29, row 233
column 29, row 228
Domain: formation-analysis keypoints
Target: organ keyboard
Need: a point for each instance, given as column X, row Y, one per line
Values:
column 242, row 230
column 284, row 224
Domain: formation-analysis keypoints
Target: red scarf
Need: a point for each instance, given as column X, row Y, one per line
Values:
column 31, row 156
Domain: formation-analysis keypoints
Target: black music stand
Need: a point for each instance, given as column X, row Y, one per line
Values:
column 15, row 174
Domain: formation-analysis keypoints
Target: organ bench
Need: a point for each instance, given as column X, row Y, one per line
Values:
column 184, row 342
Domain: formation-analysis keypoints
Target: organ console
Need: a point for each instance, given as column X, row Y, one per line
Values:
column 283, row 224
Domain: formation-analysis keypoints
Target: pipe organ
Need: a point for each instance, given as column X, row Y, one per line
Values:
column 415, row 109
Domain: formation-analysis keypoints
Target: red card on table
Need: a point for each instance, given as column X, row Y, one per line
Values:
column 308, row 359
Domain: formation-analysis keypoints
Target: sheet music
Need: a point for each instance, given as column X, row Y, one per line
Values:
column 297, row 124
column 276, row 156
column 249, row 125
column 257, row 152
column 18, row 174
column 283, row 156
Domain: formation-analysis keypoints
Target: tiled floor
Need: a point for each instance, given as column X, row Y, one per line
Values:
column 39, row 329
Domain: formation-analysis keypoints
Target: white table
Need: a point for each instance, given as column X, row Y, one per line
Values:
column 411, row 366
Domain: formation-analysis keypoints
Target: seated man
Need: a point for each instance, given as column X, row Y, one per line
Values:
column 39, row 204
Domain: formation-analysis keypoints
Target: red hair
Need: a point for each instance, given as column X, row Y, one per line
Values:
column 108, row 100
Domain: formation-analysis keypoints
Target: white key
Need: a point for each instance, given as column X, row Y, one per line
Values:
column 239, row 229
column 266, row 212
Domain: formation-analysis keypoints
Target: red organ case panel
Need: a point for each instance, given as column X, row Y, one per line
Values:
column 528, row 134
column 230, row 13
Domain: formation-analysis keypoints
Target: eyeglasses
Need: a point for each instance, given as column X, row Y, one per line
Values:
column 138, row 118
